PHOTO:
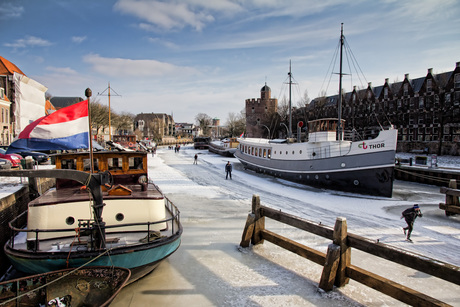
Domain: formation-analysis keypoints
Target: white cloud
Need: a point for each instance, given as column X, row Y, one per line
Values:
column 9, row 10
column 165, row 15
column 78, row 39
column 61, row 70
column 117, row 67
column 28, row 41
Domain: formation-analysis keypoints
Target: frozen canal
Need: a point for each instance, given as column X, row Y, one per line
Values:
column 210, row 269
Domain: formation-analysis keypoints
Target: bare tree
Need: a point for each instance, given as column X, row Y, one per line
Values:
column 99, row 116
column 204, row 121
column 123, row 121
column 236, row 123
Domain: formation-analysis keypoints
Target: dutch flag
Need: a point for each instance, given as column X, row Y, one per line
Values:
column 65, row 129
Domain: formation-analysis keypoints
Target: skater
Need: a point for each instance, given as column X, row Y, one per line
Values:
column 410, row 215
column 228, row 170
column 196, row 159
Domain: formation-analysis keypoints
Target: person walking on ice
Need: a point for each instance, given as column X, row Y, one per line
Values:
column 196, row 159
column 228, row 170
column 410, row 215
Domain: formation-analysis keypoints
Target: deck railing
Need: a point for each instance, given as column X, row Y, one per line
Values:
column 87, row 228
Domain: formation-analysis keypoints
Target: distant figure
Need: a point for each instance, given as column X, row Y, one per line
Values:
column 228, row 170
column 196, row 159
column 410, row 215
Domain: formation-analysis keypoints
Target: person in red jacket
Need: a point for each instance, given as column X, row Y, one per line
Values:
column 410, row 215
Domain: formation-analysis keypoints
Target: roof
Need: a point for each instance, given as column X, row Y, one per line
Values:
column 62, row 102
column 265, row 88
column 49, row 108
column 8, row 68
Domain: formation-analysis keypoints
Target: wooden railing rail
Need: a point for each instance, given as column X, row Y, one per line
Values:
column 337, row 268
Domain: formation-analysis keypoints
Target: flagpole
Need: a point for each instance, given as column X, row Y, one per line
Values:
column 88, row 94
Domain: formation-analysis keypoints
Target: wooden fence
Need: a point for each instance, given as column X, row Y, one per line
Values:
column 452, row 205
column 337, row 267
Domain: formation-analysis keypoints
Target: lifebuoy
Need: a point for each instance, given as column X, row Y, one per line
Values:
column 131, row 144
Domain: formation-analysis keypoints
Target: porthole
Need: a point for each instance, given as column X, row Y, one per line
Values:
column 313, row 154
column 343, row 164
column 119, row 217
column 293, row 152
column 70, row 220
column 356, row 182
column 316, row 177
column 286, row 152
column 327, row 177
column 300, row 151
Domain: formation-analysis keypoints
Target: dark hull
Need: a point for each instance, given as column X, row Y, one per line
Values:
column 141, row 259
column 362, row 175
column 222, row 152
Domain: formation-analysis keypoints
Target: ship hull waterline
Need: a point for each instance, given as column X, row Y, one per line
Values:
column 358, row 177
column 140, row 260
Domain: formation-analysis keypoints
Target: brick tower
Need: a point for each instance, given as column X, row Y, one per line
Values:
column 258, row 112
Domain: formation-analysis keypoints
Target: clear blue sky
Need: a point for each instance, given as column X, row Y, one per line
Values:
column 185, row 57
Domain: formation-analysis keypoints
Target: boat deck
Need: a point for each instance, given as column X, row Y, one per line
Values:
column 80, row 194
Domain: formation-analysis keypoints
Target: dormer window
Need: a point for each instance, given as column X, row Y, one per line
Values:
column 406, row 89
column 457, row 81
column 385, row 92
column 429, row 85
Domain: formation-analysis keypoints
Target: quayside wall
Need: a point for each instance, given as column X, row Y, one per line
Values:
column 13, row 205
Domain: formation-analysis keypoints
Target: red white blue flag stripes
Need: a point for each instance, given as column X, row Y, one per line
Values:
column 65, row 129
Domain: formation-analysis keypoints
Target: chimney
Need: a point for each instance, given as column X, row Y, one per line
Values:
column 369, row 84
column 406, row 76
column 354, row 87
column 386, row 80
column 458, row 64
column 430, row 70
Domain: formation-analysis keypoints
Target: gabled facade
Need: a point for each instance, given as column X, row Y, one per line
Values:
column 426, row 111
column 154, row 126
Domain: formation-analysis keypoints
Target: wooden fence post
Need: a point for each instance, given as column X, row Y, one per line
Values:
column 259, row 221
column 340, row 239
column 255, row 223
column 248, row 230
column 329, row 273
column 451, row 199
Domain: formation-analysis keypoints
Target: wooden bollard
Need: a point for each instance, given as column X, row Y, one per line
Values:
column 452, row 200
column 255, row 223
column 340, row 239
column 259, row 221
column 329, row 273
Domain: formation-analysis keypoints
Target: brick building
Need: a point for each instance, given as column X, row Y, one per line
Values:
column 426, row 111
column 258, row 112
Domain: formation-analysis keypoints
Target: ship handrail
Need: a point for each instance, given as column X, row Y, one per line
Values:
column 175, row 218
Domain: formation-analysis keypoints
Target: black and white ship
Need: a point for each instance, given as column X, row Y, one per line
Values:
column 327, row 160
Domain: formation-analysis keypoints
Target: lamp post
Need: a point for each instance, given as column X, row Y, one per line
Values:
column 268, row 130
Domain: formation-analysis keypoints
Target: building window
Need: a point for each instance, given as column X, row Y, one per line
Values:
column 429, row 85
column 420, row 103
column 406, row 89
column 457, row 81
column 385, row 92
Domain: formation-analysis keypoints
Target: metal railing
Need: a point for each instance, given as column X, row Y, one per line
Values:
column 88, row 227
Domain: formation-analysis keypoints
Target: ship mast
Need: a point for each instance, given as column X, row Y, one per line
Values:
column 339, row 111
column 109, row 95
column 290, row 102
